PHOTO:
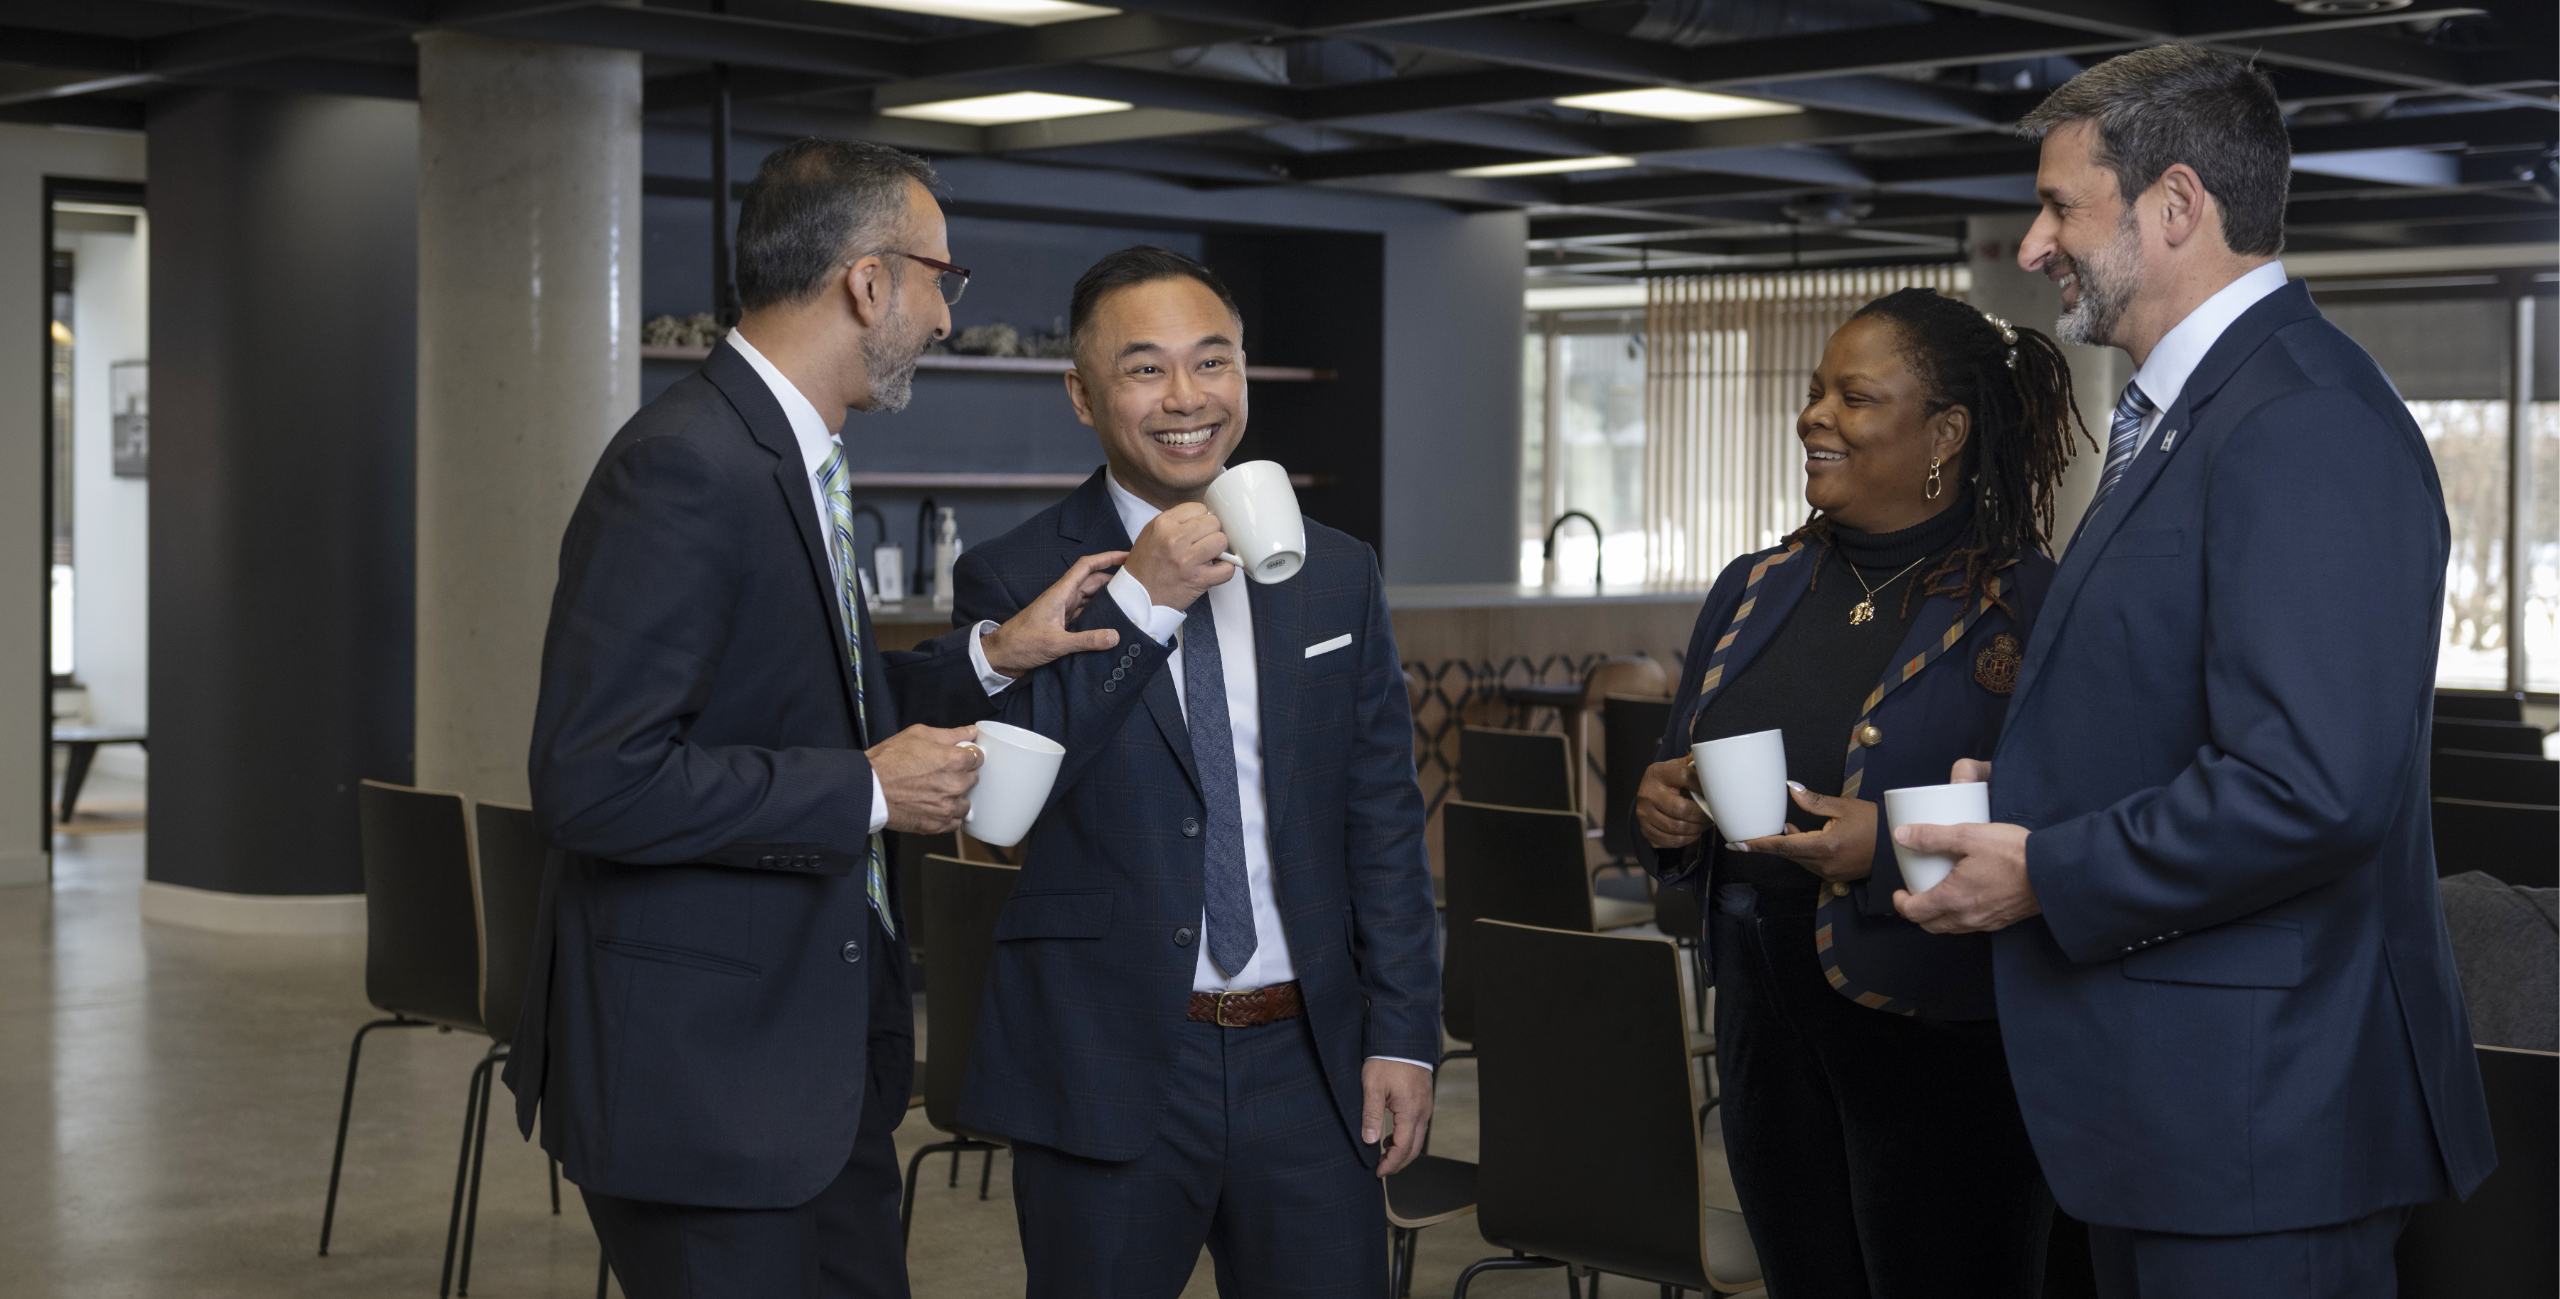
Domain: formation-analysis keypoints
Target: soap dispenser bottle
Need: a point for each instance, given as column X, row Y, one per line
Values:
column 946, row 552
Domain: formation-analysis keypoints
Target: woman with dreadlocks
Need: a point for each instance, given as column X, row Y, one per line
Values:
column 1868, row 1117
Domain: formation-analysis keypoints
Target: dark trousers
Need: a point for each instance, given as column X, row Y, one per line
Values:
column 2347, row 1260
column 843, row 1244
column 1876, row 1155
column 1252, row 1161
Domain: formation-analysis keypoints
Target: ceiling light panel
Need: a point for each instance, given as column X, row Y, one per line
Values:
column 1678, row 105
column 1020, row 13
column 1000, row 110
column 1548, row 166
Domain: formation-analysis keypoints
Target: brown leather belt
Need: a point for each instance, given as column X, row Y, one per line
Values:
column 1249, row 1008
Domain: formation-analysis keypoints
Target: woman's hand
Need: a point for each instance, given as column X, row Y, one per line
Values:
column 1663, row 809
column 1843, row 849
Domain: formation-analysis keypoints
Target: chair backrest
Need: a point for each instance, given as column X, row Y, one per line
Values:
column 2500, row 1240
column 1514, row 768
column 2481, row 706
column 2494, row 777
column 1631, row 733
column 511, row 857
column 1637, row 674
column 1574, row 1024
column 422, row 916
column 906, row 880
column 1505, row 863
column 2517, row 843
column 961, row 902
column 2488, row 737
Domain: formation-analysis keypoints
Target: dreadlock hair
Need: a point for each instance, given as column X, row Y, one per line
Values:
column 2016, row 385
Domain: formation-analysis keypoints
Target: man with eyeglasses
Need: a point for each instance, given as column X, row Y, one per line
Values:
column 718, row 1034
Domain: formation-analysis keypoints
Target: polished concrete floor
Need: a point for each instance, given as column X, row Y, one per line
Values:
column 167, row 1101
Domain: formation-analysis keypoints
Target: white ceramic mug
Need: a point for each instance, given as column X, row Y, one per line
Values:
column 1745, row 783
column 1258, row 510
column 1967, row 804
column 1014, row 777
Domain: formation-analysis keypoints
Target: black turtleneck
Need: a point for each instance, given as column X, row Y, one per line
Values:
column 1810, row 678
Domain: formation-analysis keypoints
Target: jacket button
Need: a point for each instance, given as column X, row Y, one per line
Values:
column 1109, row 686
column 1182, row 938
column 1870, row 735
column 852, row 952
column 1190, row 827
column 765, row 861
column 1118, row 673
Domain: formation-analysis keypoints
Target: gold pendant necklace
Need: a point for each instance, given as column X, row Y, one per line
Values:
column 1865, row 609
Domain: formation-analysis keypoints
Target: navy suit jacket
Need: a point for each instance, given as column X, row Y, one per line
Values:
column 694, row 1031
column 2238, row 1012
column 1951, row 708
column 1086, row 1000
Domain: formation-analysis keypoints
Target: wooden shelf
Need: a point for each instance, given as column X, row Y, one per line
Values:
column 1006, row 482
column 1011, row 364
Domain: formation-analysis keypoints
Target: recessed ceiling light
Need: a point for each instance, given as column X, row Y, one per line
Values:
column 1678, row 105
column 1548, row 166
column 997, row 110
column 1020, row 13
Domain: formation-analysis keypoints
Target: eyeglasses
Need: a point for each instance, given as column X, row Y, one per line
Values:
column 950, row 281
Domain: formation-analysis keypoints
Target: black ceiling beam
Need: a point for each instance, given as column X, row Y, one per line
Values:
column 251, row 41
column 89, row 111
column 1062, row 43
column 673, row 33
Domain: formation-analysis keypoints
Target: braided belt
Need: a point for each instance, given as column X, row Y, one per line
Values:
column 1248, row 1009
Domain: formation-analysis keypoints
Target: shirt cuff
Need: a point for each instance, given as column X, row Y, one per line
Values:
column 879, row 805
column 989, row 680
column 1401, row 1060
column 1157, row 621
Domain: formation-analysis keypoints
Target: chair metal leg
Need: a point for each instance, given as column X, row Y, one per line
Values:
column 555, row 1187
column 346, row 1103
column 461, row 1177
column 956, row 1147
column 986, row 1173
column 479, row 1161
column 604, row 1268
column 1517, row 1262
column 954, row 1181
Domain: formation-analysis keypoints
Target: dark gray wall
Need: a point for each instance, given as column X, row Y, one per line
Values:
column 283, row 346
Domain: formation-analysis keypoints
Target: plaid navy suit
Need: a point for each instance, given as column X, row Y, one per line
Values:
column 1081, row 1042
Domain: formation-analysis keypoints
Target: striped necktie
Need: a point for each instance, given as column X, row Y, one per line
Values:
column 848, row 581
column 2124, row 437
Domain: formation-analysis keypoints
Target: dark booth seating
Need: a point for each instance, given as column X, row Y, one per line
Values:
column 2488, row 737
column 2494, row 777
column 2480, row 705
column 2500, row 1241
column 2518, row 843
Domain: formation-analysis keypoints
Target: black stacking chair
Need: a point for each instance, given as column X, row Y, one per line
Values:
column 2495, row 777
column 906, row 892
column 1515, row 768
column 2481, row 706
column 2498, row 1242
column 1631, row 730
column 961, row 902
column 1425, row 1193
column 2518, row 843
column 2488, row 737
column 1504, row 863
column 422, row 945
column 1563, row 1017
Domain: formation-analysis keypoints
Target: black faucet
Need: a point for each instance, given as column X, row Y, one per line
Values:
column 879, row 525
column 1596, row 538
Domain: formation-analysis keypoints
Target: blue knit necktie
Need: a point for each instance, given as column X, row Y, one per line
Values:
column 1226, row 896
column 848, row 580
column 2124, row 437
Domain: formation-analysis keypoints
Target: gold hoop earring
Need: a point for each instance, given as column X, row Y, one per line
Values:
column 1934, row 486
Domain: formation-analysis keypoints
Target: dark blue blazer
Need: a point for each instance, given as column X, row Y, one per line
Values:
column 694, row 1031
column 1083, row 1009
column 1949, row 708
column 2238, row 1012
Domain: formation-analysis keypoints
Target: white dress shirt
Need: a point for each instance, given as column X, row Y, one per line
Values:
column 815, row 445
column 2164, row 374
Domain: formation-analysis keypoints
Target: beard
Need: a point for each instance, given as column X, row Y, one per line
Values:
column 889, row 356
column 2107, row 280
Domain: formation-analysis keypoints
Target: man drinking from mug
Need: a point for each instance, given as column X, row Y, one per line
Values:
column 1215, row 982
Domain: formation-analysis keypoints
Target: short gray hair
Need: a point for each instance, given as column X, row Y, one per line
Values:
column 2157, row 107
column 815, row 203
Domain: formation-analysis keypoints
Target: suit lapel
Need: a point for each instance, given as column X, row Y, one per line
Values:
column 1764, row 608
column 1279, row 652
column 1088, row 523
column 755, row 402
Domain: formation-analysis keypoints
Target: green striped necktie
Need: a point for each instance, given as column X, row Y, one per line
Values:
column 848, row 580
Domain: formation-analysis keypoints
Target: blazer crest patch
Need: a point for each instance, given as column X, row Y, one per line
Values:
column 1996, row 668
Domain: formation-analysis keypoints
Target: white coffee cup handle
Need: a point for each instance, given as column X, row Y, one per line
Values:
column 1229, row 556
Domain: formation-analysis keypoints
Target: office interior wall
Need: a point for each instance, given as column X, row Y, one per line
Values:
column 111, row 516
column 28, row 154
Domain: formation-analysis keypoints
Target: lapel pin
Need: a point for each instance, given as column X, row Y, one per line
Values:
column 2166, row 439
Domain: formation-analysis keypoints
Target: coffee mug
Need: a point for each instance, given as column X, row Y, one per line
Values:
column 1015, row 771
column 1744, row 779
column 1967, row 804
column 1258, row 510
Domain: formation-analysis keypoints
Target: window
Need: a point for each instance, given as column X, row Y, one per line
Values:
column 1583, row 445
column 2469, row 442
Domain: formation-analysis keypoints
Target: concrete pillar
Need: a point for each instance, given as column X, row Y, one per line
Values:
column 2098, row 374
column 283, row 324
column 528, row 360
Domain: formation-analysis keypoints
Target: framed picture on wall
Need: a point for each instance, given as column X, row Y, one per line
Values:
column 129, row 396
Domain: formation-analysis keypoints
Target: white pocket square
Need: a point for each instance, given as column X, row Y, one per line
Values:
column 1328, row 646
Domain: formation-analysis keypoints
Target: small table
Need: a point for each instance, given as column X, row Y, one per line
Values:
column 84, row 742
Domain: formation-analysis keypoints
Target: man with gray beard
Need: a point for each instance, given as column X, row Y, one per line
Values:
column 718, row 1032
column 2225, row 989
